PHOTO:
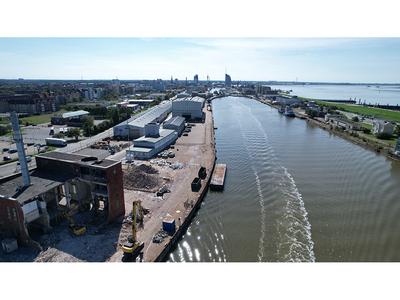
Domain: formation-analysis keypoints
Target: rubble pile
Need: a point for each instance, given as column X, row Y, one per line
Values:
column 144, row 177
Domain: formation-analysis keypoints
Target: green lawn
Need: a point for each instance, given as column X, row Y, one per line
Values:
column 366, row 111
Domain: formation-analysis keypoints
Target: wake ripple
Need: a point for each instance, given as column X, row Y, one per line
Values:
column 293, row 227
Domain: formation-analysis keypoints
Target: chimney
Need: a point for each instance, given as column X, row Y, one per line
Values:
column 20, row 148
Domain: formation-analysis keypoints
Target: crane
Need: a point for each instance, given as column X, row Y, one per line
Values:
column 132, row 246
column 74, row 228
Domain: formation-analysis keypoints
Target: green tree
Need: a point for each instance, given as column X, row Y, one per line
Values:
column 397, row 131
column 73, row 132
column 87, row 126
column 355, row 119
column 384, row 136
column 114, row 115
column 58, row 135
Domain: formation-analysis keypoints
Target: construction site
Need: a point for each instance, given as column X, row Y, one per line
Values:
column 158, row 202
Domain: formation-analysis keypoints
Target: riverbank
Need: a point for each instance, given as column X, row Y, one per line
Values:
column 378, row 146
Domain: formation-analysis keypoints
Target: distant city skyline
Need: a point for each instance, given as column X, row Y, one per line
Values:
column 352, row 60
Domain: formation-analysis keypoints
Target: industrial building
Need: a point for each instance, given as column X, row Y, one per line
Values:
column 286, row 100
column 189, row 108
column 175, row 123
column 134, row 127
column 70, row 118
column 154, row 141
column 61, row 182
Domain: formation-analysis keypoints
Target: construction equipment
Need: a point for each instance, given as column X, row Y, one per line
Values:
column 132, row 247
column 74, row 228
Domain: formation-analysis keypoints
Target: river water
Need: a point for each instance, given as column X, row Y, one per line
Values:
column 370, row 94
column 293, row 192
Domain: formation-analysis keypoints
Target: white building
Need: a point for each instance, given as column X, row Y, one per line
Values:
column 135, row 126
column 154, row 141
column 189, row 107
column 286, row 100
column 380, row 125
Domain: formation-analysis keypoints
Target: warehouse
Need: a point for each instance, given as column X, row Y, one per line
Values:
column 69, row 118
column 154, row 141
column 175, row 123
column 135, row 127
column 189, row 108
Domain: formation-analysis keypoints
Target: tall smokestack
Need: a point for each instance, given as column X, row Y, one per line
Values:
column 20, row 148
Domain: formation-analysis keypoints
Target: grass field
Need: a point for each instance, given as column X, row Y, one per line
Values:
column 366, row 111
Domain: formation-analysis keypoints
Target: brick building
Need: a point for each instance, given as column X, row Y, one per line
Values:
column 23, row 103
column 62, row 182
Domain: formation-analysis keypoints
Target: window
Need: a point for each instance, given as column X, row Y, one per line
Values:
column 117, row 204
column 15, row 214
column 73, row 188
column 116, row 190
column 8, row 212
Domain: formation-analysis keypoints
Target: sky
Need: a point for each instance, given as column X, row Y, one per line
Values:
column 351, row 41
column 312, row 59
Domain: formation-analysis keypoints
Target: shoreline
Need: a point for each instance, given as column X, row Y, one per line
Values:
column 340, row 134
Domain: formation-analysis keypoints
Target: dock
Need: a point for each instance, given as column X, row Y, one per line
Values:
column 218, row 177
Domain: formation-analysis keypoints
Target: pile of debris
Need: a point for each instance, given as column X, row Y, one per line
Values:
column 159, row 236
column 176, row 166
column 143, row 177
column 161, row 162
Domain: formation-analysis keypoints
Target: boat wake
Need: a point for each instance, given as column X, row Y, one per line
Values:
column 293, row 231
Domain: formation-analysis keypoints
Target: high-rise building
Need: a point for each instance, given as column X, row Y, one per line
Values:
column 196, row 79
column 228, row 81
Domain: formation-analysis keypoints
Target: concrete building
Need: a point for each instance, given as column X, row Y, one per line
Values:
column 228, row 81
column 196, row 79
column 135, row 127
column 189, row 107
column 70, row 118
column 61, row 182
column 381, row 125
column 175, row 123
column 286, row 100
column 154, row 141
column 348, row 124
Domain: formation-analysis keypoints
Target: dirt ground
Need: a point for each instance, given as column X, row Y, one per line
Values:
column 100, row 241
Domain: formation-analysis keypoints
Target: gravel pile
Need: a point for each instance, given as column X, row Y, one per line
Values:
column 144, row 177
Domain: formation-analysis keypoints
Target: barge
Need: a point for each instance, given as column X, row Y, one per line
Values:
column 218, row 177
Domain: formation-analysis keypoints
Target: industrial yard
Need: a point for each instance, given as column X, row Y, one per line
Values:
column 103, row 242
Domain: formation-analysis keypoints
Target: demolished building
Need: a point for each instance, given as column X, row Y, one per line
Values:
column 61, row 182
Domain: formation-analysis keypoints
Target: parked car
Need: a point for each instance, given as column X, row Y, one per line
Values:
column 6, row 158
column 6, row 149
column 28, row 159
column 12, row 150
column 37, row 145
column 49, row 125
column 29, row 144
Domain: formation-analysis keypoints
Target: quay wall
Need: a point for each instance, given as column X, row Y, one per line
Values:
column 186, row 219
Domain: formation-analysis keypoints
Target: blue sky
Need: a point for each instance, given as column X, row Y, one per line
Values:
column 287, row 59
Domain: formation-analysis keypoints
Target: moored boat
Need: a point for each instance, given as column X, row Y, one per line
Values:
column 289, row 112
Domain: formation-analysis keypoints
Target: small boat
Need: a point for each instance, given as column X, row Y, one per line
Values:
column 281, row 110
column 289, row 112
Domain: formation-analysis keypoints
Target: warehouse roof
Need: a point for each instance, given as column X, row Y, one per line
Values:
column 163, row 133
column 175, row 121
column 149, row 116
column 71, row 114
column 194, row 99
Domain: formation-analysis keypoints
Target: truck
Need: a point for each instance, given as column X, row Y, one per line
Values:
column 56, row 142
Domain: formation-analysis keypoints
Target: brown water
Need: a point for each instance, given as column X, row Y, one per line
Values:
column 293, row 192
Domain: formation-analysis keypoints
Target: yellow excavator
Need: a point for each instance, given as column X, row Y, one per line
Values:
column 74, row 228
column 132, row 247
